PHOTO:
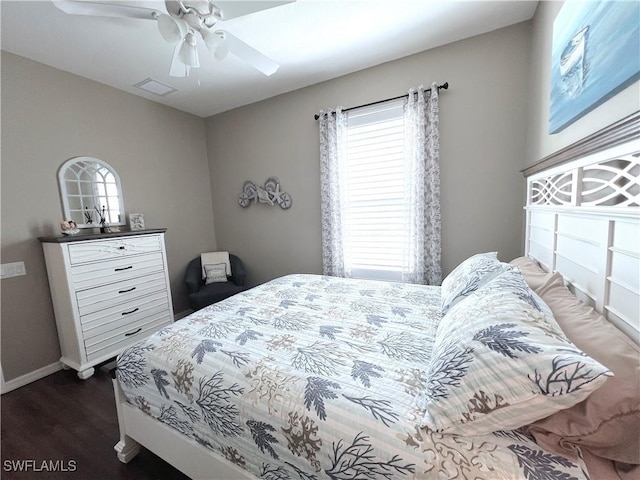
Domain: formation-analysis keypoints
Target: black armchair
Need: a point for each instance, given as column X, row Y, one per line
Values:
column 201, row 295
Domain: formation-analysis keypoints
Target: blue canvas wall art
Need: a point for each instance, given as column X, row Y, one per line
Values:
column 596, row 54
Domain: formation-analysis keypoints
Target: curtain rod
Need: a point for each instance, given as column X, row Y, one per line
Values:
column 444, row 86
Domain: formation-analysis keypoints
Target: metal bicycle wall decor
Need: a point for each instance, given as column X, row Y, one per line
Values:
column 269, row 194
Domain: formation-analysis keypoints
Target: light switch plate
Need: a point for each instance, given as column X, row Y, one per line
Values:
column 15, row 269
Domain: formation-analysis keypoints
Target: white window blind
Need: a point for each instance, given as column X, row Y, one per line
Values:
column 374, row 193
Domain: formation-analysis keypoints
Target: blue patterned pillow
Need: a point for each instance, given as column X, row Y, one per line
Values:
column 467, row 277
column 500, row 362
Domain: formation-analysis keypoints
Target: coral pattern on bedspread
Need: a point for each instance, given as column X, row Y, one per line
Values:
column 311, row 377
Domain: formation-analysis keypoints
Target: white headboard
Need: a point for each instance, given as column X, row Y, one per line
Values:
column 583, row 220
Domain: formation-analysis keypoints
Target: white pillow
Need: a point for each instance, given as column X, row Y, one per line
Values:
column 212, row 258
column 467, row 277
column 216, row 273
column 499, row 362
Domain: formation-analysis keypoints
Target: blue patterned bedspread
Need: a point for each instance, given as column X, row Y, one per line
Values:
column 310, row 377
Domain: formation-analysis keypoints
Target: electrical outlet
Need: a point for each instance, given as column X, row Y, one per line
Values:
column 15, row 269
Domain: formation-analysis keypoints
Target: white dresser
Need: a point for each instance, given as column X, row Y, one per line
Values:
column 108, row 292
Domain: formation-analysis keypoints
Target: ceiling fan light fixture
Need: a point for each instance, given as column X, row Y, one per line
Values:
column 178, row 69
column 215, row 43
column 178, row 22
column 188, row 53
column 171, row 29
column 222, row 51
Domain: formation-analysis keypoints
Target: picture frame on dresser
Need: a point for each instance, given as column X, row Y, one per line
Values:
column 136, row 221
column 108, row 291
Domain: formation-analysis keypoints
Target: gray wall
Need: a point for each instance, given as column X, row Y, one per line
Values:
column 49, row 116
column 539, row 143
column 482, row 132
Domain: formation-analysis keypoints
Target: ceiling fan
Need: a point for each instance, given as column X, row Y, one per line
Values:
column 179, row 23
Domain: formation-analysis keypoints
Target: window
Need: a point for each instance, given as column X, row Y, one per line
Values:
column 380, row 190
column 375, row 183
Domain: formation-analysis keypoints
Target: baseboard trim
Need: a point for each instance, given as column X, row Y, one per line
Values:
column 23, row 380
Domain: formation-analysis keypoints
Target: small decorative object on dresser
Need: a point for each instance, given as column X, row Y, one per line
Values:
column 69, row 228
column 136, row 221
column 107, row 293
column 91, row 193
column 103, row 218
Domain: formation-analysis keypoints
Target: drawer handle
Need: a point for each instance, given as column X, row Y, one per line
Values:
column 132, row 333
column 127, row 291
column 123, row 268
column 132, row 311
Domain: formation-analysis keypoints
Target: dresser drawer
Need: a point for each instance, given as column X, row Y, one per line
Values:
column 98, row 333
column 94, row 274
column 131, row 310
column 98, row 298
column 114, row 344
column 99, row 250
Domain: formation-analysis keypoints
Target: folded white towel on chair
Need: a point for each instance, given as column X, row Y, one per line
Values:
column 213, row 258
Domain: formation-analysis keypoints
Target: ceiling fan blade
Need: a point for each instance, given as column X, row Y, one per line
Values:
column 250, row 55
column 139, row 9
column 234, row 9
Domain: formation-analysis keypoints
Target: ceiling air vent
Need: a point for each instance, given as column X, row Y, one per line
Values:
column 157, row 88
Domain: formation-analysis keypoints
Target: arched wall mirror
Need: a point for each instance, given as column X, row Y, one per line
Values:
column 90, row 188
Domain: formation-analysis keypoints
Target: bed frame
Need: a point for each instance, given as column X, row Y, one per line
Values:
column 139, row 429
column 582, row 220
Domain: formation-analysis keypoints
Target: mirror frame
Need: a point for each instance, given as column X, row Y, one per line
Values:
column 65, row 195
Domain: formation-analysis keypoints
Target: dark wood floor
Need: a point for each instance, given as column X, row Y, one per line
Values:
column 62, row 419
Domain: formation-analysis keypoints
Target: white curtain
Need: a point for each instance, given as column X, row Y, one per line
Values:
column 333, row 127
column 422, row 203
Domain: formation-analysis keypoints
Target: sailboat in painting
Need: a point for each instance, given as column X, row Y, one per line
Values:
column 574, row 54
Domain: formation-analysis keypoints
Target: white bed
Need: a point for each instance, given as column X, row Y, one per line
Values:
column 583, row 221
